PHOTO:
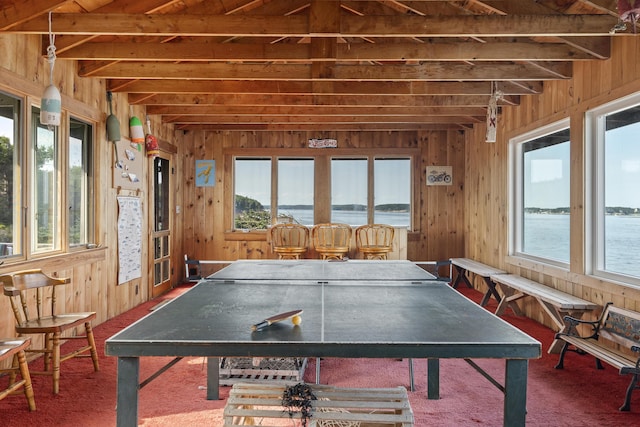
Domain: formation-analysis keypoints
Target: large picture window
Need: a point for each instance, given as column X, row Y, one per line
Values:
column 353, row 190
column 612, row 134
column 541, row 194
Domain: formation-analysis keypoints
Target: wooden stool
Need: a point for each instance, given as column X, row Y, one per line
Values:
column 14, row 348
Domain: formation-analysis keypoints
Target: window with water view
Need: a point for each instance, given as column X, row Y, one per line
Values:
column 614, row 130
column 542, row 220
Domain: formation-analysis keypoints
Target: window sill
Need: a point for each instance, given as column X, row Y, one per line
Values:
column 59, row 261
column 248, row 235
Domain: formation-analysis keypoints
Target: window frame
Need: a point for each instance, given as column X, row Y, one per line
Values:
column 595, row 206
column 322, row 174
column 516, row 192
column 24, row 129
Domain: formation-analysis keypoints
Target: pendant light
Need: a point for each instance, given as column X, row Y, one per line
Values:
column 51, row 103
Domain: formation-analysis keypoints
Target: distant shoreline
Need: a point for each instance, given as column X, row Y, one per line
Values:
column 614, row 211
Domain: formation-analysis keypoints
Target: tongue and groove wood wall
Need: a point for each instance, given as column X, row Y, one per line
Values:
column 468, row 218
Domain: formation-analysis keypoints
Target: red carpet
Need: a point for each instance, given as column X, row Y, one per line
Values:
column 579, row 395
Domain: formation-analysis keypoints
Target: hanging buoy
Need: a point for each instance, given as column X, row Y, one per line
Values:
column 51, row 103
column 136, row 131
column 151, row 143
column 113, row 125
column 50, row 106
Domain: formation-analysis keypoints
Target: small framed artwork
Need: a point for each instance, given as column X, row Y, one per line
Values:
column 205, row 173
column 439, row 175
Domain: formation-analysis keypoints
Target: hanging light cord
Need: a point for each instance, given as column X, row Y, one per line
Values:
column 51, row 51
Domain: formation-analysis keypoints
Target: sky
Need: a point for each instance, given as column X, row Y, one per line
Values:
column 548, row 184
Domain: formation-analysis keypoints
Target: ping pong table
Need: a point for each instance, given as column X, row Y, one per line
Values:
column 367, row 316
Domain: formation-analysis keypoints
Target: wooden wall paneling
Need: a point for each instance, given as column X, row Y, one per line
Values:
column 234, row 246
column 594, row 83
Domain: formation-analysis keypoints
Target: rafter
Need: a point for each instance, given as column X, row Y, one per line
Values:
column 298, row 25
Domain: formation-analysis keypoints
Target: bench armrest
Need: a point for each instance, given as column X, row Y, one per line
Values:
column 573, row 323
column 632, row 370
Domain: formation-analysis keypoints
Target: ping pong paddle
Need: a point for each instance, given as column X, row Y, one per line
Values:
column 274, row 319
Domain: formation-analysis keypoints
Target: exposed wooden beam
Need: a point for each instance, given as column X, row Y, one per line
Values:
column 356, row 127
column 326, row 100
column 339, row 88
column 298, row 25
column 312, row 110
column 288, row 119
column 442, row 71
column 445, row 51
column 17, row 13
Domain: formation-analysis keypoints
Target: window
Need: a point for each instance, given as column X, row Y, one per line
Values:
column 45, row 188
column 46, row 179
column 612, row 132
column 10, row 160
column 541, row 194
column 295, row 191
column 392, row 192
column 80, row 184
column 349, row 191
column 252, row 194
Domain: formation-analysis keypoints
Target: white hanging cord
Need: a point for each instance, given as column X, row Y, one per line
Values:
column 51, row 51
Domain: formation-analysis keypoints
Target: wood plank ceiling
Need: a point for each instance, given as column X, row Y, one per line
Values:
column 321, row 64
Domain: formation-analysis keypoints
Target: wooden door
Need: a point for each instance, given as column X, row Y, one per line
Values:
column 162, row 222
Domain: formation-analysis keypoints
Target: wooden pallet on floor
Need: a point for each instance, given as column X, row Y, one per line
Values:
column 262, row 404
column 246, row 369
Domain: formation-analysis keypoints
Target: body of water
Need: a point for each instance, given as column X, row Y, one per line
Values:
column 546, row 235
column 353, row 218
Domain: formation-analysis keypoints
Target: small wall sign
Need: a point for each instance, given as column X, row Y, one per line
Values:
column 323, row 143
column 205, row 173
column 439, row 175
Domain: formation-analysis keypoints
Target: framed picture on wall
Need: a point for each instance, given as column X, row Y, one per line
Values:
column 205, row 173
column 439, row 175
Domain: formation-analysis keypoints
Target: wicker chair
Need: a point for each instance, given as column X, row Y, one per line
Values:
column 374, row 241
column 289, row 241
column 47, row 321
column 332, row 240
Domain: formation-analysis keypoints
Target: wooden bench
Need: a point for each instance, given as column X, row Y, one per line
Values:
column 615, row 327
column 262, row 404
column 464, row 266
column 555, row 303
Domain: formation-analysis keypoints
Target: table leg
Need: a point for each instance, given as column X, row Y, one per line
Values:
column 433, row 379
column 127, row 396
column 213, row 378
column 515, row 395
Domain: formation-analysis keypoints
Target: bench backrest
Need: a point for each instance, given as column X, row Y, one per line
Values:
column 621, row 326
